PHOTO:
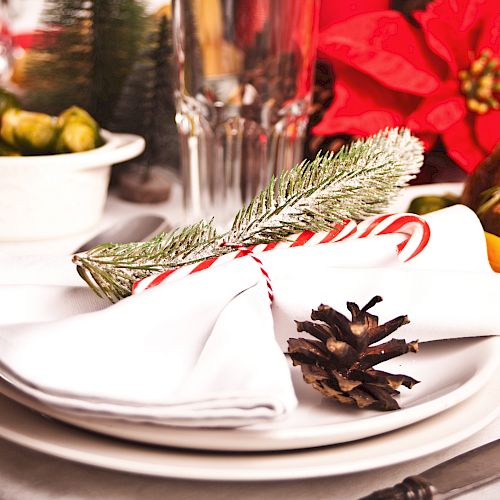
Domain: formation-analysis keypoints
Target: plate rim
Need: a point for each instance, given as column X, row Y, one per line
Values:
column 276, row 440
column 479, row 411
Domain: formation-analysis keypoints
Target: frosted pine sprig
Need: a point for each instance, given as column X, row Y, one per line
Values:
column 355, row 183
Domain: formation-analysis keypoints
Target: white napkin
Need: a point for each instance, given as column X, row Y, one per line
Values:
column 178, row 353
column 37, row 270
column 25, row 293
column 202, row 350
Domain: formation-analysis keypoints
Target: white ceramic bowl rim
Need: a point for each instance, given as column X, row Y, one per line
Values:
column 117, row 148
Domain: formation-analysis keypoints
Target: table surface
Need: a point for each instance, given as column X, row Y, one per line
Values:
column 29, row 475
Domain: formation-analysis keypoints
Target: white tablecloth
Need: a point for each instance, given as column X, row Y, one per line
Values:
column 30, row 475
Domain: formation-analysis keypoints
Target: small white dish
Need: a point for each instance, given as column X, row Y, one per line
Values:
column 51, row 196
column 451, row 371
column 27, row 428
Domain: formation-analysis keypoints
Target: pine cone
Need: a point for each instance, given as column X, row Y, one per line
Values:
column 339, row 363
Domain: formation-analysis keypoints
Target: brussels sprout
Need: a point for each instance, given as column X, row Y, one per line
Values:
column 34, row 133
column 10, row 120
column 78, row 131
column 76, row 137
column 74, row 113
column 426, row 204
column 7, row 101
column 31, row 133
column 72, row 131
column 7, row 150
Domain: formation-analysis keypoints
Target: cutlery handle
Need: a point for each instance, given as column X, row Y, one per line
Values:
column 411, row 488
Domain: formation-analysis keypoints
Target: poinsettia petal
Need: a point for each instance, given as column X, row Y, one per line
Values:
column 439, row 111
column 385, row 46
column 461, row 145
column 487, row 128
column 428, row 138
column 333, row 12
column 489, row 38
column 362, row 106
column 450, row 27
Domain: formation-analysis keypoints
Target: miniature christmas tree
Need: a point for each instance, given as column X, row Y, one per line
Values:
column 146, row 105
column 83, row 55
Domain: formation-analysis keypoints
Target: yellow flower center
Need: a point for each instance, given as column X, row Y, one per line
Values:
column 481, row 82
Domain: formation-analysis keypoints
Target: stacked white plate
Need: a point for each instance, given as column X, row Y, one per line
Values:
column 455, row 399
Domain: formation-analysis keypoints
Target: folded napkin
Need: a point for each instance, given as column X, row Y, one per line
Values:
column 207, row 350
column 26, row 294
column 38, row 270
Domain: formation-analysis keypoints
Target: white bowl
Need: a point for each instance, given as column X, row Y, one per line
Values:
column 51, row 196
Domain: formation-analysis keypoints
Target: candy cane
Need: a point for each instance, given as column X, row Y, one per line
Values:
column 415, row 229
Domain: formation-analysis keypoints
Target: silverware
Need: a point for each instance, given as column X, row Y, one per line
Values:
column 474, row 469
column 139, row 228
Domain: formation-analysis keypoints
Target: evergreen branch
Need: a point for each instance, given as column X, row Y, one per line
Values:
column 112, row 268
column 357, row 182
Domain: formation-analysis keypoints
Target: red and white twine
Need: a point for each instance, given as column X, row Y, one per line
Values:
column 243, row 250
column 413, row 227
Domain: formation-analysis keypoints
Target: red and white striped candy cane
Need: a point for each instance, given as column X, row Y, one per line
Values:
column 339, row 232
column 415, row 229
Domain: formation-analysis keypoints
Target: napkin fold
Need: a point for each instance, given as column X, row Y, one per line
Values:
column 207, row 350
column 182, row 353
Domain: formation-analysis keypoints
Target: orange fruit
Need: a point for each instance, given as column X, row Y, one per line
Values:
column 493, row 246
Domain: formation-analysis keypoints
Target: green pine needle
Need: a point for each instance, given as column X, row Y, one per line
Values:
column 355, row 183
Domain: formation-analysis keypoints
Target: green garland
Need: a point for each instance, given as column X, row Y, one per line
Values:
column 357, row 182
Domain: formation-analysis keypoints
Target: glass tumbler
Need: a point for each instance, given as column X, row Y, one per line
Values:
column 244, row 70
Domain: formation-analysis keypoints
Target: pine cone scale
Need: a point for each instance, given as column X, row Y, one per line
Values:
column 345, row 384
column 362, row 399
column 330, row 392
column 313, row 373
column 384, row 399
column 383, row 352
column 339, row 323
column 378, row 333
column 308, row 348
column 316, row 330
column 343, row 355
column 379, row 376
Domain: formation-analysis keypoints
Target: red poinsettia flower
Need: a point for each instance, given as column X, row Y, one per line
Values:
column 440, row 79
column 333, row 12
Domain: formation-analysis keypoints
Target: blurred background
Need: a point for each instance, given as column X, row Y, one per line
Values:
column 376, row 66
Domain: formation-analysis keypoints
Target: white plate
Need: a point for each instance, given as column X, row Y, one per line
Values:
column 463, row 368
column 450, row 371
column 29, row 429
